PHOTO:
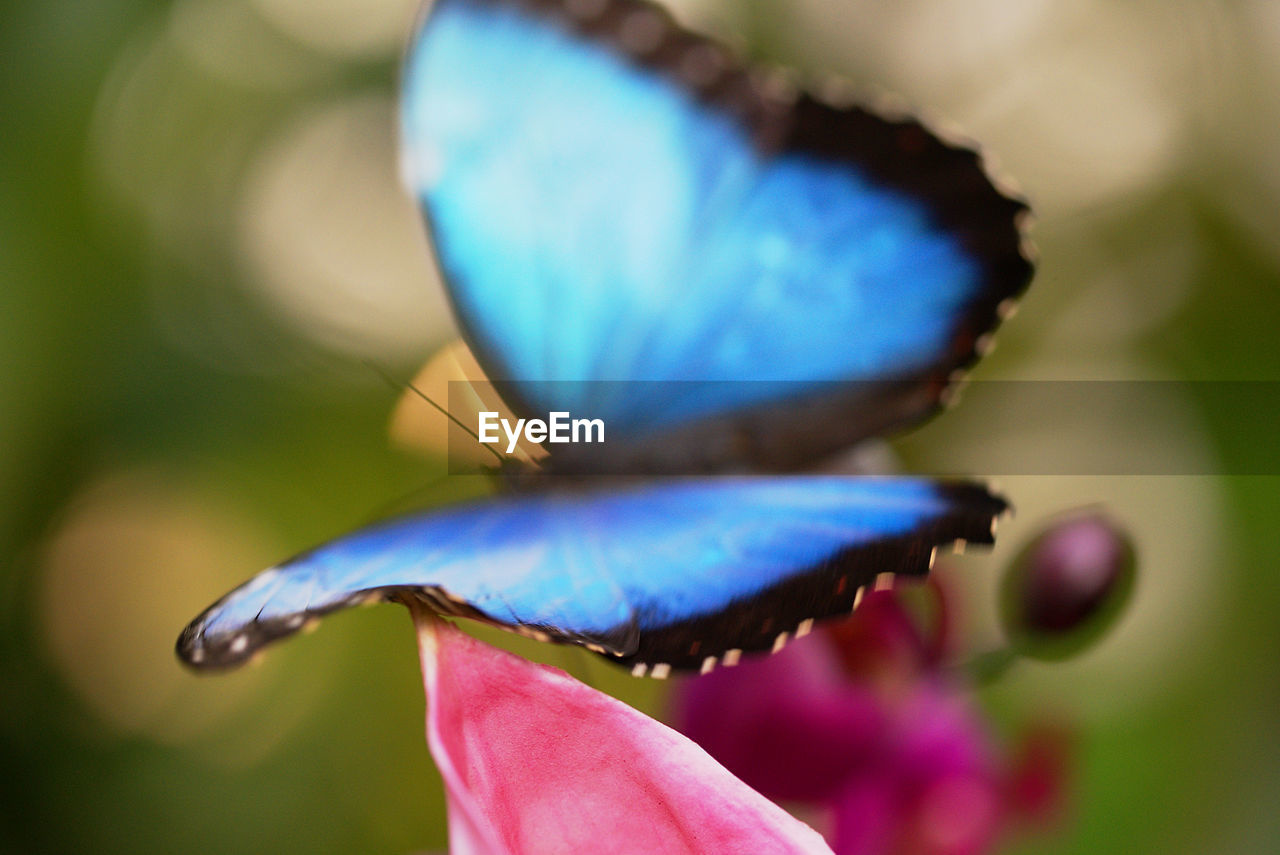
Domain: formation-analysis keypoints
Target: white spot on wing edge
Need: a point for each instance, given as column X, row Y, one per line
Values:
column 779, row 85
column 703, row 64
column 1024, row 220
column 780, row 642
column 805, row 627
column 841, row 93
column 985, row 344
column 708, row 665
column 836, row 91
column 884, row 582
column 642, row 31
column 661, row 671
column 956, row 384
column 732, row 657
column 639, row 669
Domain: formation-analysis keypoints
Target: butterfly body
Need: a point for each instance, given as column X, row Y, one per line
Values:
column 733, row 276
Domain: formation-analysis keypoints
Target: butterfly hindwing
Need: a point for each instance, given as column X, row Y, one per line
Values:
column 670, row 572
column 614, row 200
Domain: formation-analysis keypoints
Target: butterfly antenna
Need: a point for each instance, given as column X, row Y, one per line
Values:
column 397, row 384
column 406, row 501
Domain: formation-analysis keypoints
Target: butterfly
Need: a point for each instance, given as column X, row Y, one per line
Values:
column 736, row 276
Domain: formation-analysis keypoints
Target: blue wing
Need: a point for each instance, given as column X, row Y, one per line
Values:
column 599, row 219
column 671, row 572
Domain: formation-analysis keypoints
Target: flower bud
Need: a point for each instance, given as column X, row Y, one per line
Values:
column 1067, row 587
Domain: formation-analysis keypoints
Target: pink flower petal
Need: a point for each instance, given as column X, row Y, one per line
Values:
column 535, row 762
column 866, row 815
column 934, row 788
column 904, row 772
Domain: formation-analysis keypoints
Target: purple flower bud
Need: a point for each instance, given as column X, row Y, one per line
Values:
column 1067, row 586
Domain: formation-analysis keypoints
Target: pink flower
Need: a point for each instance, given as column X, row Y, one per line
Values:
column 863, row 723
column 534, row 761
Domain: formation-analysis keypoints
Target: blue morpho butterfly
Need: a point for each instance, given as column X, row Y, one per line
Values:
column 613, row 198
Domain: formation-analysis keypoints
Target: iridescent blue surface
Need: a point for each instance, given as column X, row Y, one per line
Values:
column 596, row 222
column 590, row 562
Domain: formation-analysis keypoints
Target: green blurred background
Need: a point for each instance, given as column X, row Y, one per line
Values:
column 202, row 239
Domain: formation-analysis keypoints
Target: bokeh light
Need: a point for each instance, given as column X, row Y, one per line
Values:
column 333, row 242
column 129, row 547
